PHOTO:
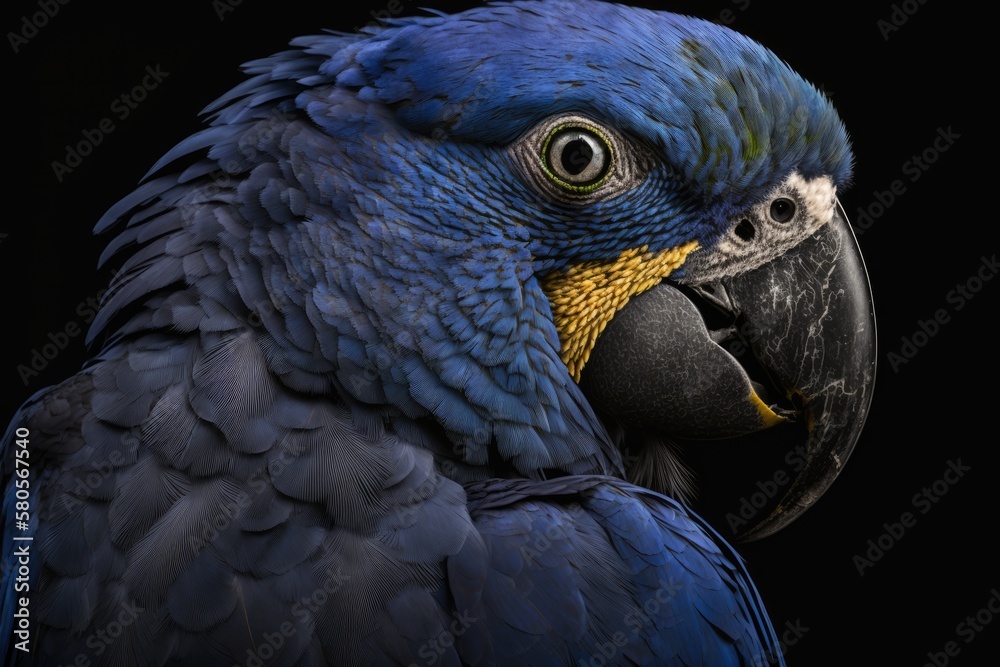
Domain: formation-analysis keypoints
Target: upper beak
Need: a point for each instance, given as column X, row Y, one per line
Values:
column 806, row 317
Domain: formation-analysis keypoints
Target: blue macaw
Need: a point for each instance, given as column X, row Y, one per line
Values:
column 382, row 329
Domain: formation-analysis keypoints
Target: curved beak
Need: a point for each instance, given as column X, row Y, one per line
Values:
column 808, row 320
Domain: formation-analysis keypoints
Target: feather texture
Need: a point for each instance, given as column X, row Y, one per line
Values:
column 331, row 423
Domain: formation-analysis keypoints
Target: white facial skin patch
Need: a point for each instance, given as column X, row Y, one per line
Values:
column 793, row 212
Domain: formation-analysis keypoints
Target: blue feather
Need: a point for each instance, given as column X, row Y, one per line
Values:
column 329, row 357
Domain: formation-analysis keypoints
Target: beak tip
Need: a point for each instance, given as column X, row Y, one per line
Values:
column 777, row 520
column 834, row 395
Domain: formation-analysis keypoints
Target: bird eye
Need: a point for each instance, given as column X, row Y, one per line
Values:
column 578, row 161
column 782, row 209
column 577, row 158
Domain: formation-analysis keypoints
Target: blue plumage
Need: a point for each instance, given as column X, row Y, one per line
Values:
column 330, row 390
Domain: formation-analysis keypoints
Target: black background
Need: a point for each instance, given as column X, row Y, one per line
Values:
column 895, row 91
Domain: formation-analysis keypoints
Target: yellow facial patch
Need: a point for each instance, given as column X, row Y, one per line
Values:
column 585, row 297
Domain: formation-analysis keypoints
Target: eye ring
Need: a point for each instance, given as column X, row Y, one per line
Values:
column 577, row 158
column 782, row 209
column 608, row 164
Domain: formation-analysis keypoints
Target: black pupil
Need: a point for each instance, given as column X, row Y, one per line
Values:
column 782, row 210
column 576, row 155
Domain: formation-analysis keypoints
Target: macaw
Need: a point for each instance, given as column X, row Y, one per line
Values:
column 380, row 330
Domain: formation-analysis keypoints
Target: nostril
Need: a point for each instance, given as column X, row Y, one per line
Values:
column 745, row 230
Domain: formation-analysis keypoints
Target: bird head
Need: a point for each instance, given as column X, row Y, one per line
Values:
column 504, row 227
